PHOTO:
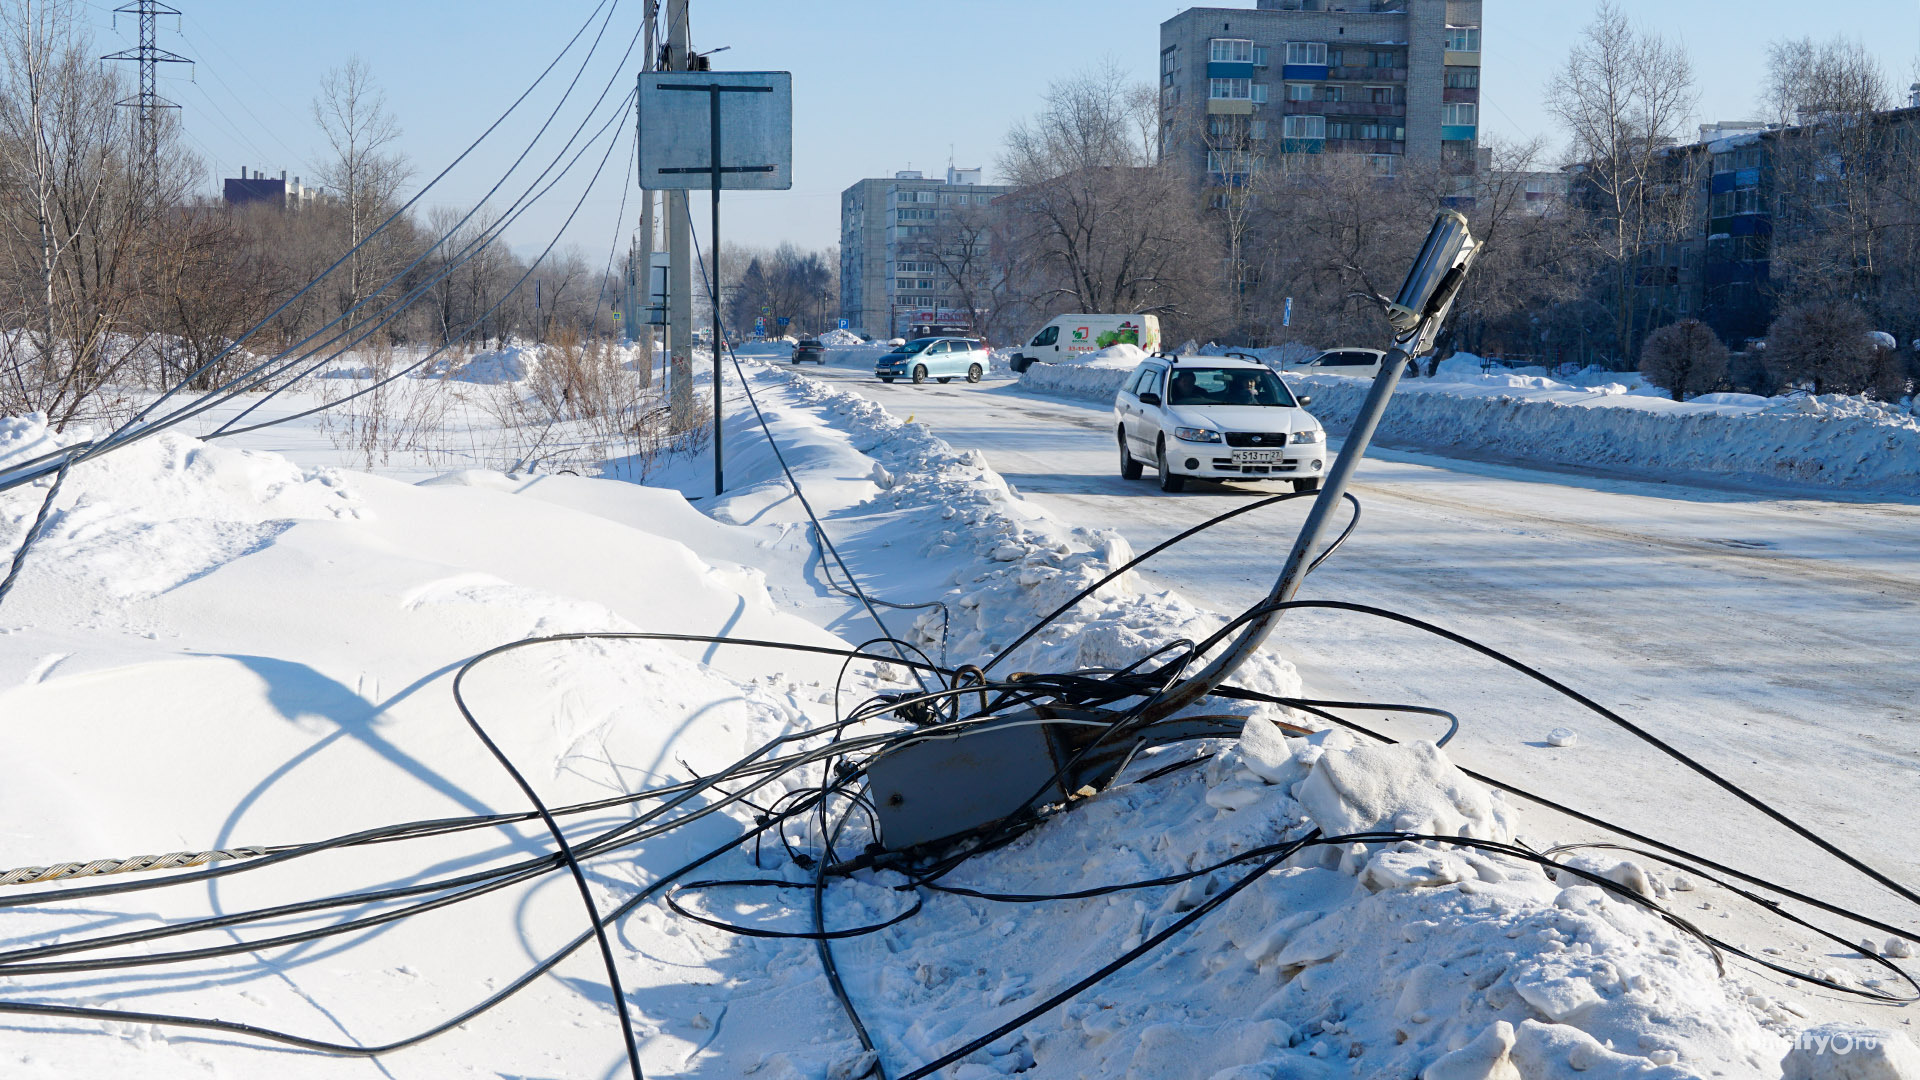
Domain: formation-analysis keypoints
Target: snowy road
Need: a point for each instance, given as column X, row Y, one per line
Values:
column 1774, row 638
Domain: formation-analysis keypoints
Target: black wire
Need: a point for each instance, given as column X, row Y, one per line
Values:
column 566, row 852
column 33, row 531
column 672, row 901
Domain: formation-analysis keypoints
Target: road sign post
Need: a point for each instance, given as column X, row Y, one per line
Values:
column 749, row 121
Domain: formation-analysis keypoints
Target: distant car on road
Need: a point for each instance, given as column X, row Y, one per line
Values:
column 1361, row 362
column 943, row 358
column 1216, row 418
column 810, row 349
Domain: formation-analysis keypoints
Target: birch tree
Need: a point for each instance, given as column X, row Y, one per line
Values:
column 1624, row 97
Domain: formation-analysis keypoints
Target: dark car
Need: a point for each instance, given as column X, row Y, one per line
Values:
column 810, row 349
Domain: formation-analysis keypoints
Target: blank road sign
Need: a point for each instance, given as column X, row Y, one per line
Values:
column 756, row 129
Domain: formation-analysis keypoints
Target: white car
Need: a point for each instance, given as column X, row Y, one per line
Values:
column 1361, row 362
column 1216, row 418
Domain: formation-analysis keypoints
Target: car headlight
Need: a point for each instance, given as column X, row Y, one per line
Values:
column 1301, row 438
column 1196, row 434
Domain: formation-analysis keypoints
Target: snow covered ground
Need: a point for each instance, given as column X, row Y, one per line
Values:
column 251, row 645
column 1832, row 441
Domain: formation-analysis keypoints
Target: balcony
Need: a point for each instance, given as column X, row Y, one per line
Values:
column 1356, row 109
column 1467, row 94
column 1229, row 107
column 1365, row 146
column 1367, row 74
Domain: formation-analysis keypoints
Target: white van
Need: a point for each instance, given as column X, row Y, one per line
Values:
column 1068, row 336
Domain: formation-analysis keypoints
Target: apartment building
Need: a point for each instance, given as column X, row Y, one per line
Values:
column 887, row 287
column 1395, row 80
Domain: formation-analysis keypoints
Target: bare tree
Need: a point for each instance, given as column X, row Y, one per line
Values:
column 1624, row 97
column 365, row 172
column 1844, row 195
column 76, row 220
column 960, row 248
column 1683, row 358
column 1098, row 223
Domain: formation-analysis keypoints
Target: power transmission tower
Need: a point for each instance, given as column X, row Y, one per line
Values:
column 150, row 56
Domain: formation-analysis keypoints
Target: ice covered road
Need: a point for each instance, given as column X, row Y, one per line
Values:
column 1777, row 638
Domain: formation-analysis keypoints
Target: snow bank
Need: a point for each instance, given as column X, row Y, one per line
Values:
column 515, row 363
column 1089, row 381
column 1013, row 562
column 1835, row 441
column 840, row 339
column 162, row 511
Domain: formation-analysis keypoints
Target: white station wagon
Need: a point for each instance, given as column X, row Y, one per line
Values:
column 1216, row 418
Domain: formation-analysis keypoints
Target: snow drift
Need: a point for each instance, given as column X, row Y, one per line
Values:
column 1833, row 441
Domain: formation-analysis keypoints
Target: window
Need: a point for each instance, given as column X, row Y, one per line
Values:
column 1170, row 60
column 1384, row 164
column 1307, row 52
column 1223, row 127
column 1258, row 129
column 1463, row 78
column 1259, row 93
column 1259, row 56
column 1231, row 51
column 1740, row 201
column 1305, row 127
column 1380, row 95
column 1330, row 93
column 1299, row 91
column 1339, row 129
column 1459, row 114
column 1228, row 161
column 1383, row 58
column 1463, row 39
column 1387, row 131
column 1228, row 386
column 1230, row 89
column 1046, row 337
column 1334, row 57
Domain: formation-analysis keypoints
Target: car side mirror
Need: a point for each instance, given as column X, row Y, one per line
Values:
column 1149, row 398
column 1306, row 400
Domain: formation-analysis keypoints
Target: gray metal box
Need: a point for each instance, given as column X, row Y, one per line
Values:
column 945, row 785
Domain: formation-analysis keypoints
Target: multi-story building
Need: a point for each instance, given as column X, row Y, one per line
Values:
column 1395, row 80
column 888, row 287
column 1746, row 189
column 253, row 187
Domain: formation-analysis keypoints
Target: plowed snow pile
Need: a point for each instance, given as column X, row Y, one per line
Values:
column 1833, row 440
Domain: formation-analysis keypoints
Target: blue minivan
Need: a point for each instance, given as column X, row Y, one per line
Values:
column 943, row 358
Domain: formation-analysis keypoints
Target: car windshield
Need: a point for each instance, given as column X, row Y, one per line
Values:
column 1227, row 386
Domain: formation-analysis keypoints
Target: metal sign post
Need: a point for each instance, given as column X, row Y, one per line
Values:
column 758, row 134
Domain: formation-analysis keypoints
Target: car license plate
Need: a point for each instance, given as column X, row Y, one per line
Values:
column 1256, row 457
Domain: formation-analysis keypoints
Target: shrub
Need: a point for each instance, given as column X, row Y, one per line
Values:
column 1826, row 345
column 1684, row 358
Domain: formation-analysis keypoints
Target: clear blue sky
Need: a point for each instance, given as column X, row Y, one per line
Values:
column 879, row 85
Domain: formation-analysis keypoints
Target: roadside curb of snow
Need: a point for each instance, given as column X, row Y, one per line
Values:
column 1013, row 562
column 1075, row 380
column 1821, row 443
